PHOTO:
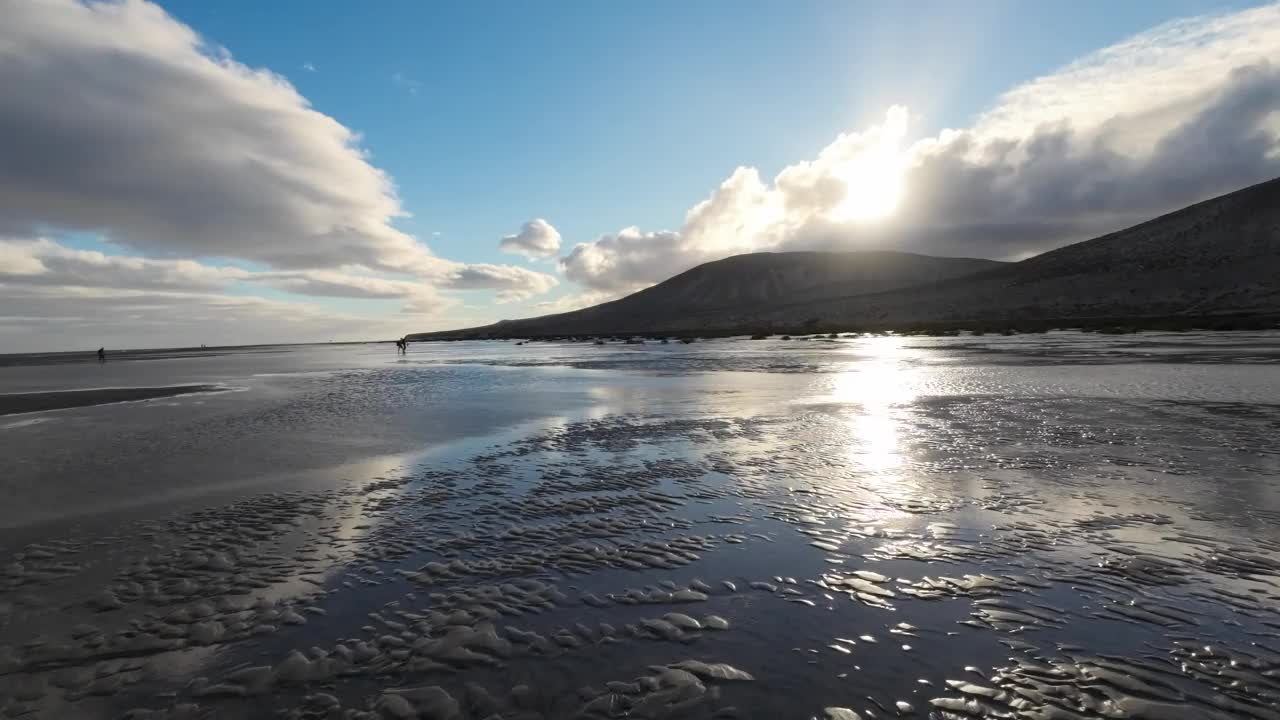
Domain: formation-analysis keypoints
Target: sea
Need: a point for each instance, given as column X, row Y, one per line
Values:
column 1046, row 526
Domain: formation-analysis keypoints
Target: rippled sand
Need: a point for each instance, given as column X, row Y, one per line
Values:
column 895, row 529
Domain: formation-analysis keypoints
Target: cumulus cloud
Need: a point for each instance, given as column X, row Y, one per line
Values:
column 19, row 259
column 629, row 259
column 536, row 240
column 120, row 120
column 1178, row 114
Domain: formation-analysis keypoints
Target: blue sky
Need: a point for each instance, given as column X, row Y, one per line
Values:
column 602, row 115
column 278, row 169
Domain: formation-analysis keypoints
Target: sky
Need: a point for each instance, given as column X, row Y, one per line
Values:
column 185, row 172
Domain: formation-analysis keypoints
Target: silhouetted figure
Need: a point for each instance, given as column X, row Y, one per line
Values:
column 102, row 355
column 402, row 346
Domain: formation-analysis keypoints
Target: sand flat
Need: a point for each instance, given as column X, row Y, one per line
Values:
column 28, row 402
column 876, row 527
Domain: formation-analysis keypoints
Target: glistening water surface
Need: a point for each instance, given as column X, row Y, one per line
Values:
column 1052, row 526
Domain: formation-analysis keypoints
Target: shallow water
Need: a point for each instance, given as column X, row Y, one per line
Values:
column 1050, row 526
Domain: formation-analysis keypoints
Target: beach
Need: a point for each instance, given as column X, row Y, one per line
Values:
column 34, row 402
column 1059, row 525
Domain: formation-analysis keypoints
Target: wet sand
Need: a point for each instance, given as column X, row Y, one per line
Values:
column 16, row 403
column 896, row 532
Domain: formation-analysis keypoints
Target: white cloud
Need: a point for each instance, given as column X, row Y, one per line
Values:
column 743, row 215
column 575, row 301
column 1151, row 73
column 20, row 259
column 47, row 265
column 538, row 239
column 329, row 283
column 512, row 283
column 46, row 262
column 1175, row 115
column 629, row 259
column 308, row 67
column 117, row 119
column 417, row 297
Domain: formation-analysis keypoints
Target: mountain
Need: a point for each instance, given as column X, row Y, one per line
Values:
column 1215, row 258
column 756, row 280
column 1220, row 257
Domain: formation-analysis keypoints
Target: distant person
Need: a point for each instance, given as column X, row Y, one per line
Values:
column 102, row 355
column 402, row 347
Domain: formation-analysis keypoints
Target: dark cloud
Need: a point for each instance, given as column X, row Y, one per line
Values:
column 1007, row 198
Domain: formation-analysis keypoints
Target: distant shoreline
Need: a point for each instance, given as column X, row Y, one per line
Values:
column 59, row 357
column 1103, row 325
column 20, row 403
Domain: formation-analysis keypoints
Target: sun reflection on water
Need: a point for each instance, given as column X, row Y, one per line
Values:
column 875, row 388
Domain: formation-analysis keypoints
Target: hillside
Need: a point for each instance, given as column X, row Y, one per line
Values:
column 1218, row 257
column 766, row 279
column 757, row 280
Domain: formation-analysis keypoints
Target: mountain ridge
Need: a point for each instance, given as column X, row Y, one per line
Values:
column 1217, row 257
column 749, row 278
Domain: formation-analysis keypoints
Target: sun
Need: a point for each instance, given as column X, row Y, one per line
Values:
column 874, row 176
column 873, row 183
column 874, row 189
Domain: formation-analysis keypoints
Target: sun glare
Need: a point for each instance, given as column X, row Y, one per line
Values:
column 874, row 177
column 873, row 389
column 874, row 183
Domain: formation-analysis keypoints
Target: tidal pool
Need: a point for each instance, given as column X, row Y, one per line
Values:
column 1053, row 526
